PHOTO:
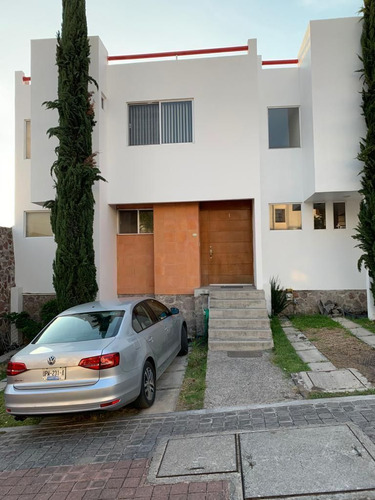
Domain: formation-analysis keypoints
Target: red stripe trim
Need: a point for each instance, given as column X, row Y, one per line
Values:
column 280, row 61
column 177, row 53
column 241, row 48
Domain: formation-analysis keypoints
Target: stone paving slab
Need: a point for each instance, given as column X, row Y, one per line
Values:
column 345, row 380
column 322, row 366
column 346, row 323
column 305, row 461
column 301, row 345
column 312, row 356
column 361, row 333
column 370, row 340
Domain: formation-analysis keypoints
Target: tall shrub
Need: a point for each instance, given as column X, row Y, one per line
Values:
column 365, row 230
column 74, row 171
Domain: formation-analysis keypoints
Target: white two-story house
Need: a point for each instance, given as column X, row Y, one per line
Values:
column 220, row 169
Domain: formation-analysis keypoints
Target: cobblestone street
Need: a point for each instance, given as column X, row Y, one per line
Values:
column 57, row 460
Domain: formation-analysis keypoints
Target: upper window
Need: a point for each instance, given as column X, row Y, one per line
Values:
column 339, row 218
column 136, row 222
column 283, row 128
column 38, row 224
column 285, row 216
column 319, row 211
column 27, row 139
column 160, row 123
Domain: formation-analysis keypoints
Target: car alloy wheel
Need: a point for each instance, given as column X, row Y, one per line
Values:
column 146, row 397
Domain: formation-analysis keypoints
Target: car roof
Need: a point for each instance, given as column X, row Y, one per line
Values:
column 106, row 305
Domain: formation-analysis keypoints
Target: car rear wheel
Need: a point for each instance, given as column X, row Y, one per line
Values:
column 146, row 397
column 184, row 341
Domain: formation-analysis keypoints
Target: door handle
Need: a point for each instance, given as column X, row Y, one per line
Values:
column 211, row 252
column 150, row 339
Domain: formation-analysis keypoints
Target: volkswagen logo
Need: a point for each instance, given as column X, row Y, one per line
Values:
column 51, row 360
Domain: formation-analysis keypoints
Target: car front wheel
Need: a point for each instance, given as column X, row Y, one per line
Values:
column 146, row 397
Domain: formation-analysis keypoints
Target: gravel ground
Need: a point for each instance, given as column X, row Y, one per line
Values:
column 234, row 381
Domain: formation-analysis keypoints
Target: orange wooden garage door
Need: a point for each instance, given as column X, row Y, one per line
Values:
column 226, row 242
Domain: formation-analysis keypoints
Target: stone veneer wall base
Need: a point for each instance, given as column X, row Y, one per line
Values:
column 306, row 301
column 7, row 275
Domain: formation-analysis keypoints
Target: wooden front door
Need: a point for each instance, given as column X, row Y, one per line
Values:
column 226, row 242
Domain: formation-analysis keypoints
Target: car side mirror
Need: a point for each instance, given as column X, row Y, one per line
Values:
column 175, row 310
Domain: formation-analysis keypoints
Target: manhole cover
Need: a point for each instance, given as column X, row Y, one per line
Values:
column 334, row 459
column 244, row 354
column 199, row 455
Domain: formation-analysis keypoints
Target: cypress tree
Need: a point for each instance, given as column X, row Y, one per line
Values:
column 74, row 171
column 365, row 230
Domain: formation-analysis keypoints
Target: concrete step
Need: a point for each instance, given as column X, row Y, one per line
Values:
column 238, row 313
column 224, row 294
column 239, row 345
column 237, row 303
column 225, row 334
column 242, row 324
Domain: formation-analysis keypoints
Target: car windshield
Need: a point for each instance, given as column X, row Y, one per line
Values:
column 81, row 327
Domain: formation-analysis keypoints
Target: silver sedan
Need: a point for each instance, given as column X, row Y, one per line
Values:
column 96, row 356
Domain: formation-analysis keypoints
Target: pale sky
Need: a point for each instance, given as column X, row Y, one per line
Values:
column 139, row 26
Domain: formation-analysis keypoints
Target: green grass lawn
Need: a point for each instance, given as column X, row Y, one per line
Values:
column 194, row 384
column 314, row 321
column 284, row 354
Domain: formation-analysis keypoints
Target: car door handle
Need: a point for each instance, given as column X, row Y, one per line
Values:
column 150, row 339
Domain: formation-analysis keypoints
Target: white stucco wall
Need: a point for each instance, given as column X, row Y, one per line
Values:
column 33, row 256
column 105, row 222
column 221, row 162
column 43, row 88
column 336, row 97
column 323, row 168
column 228, row 159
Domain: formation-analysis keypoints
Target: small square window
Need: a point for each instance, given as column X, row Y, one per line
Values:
column 339, row 216
column 136, row 221
column 128, row 221
column 319, row 215
column 285, row 216
column 38, row 224
column 283, row 128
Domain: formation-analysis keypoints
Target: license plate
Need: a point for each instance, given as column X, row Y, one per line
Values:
column 54, row 374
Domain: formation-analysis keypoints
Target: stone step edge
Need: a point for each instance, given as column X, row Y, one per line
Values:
column 221, row 308
column 238, row 341
column 227, row 335
column 239, row 329
column 244, row 311
column 225, row 326
column 241, row 346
